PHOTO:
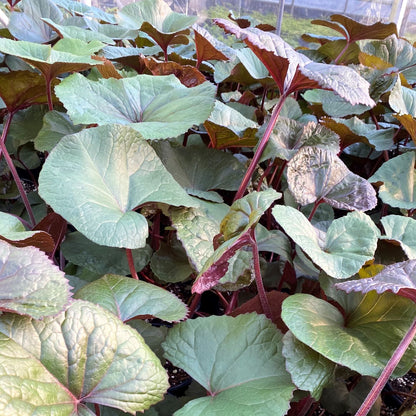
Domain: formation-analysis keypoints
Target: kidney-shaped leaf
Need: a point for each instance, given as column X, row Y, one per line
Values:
column 30, row 283
column 293, row 71
column 364, row 341
column 97, row 177
column 315, row 173
column 94, row 355
column 237, row 360
column 127, row 298
column 397, row 278
column 397, row 178
column 349, row 242
column 157, row 107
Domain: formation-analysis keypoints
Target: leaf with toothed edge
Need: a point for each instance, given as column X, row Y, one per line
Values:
column 293, row 71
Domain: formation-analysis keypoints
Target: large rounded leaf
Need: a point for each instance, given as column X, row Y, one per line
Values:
column 127, row 298
column 349, row 242
column 92, row 354
column 30, row 283
column 157, row 107
column 364, row 341
column 397, row 179
column 237, row 360
column 97, row 177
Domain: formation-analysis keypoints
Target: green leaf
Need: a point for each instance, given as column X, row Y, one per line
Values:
column 97, row 177
column 246, row 212
column 237, row 360
column 293, row 71
column 157, row 107
column 253, row 64
column 364, row 340
column 315, row 174
column 397, row 178
column 227, row 127
column 30, row 283
column 288, row 136
column 196, row 229
column 349, row 242
column 94, row 355
column 55, row 126
column 310, row 371
column 101, row 259
column 28, row 25
column 127, row 298
column 14, row 232
column 67, row 55
column 170, row 263
column 200, row 170
column 333, row 104
column 156, row 18
column 403, row 230
column 80, row 9
column 26, row 386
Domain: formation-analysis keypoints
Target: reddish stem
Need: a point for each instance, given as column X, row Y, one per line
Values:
column 233, row 303
column 342, row 52
column 130, row 260
column 387, row 372
column 261, row 147
column 315, row 207
column 97, row 409
column 257, row 273
column 194, row 304
column 49, row 91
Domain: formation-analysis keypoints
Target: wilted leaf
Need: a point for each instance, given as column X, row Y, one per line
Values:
column 293, row 71
column 349, row 242
column 364, row 340
column 127, row 298
column 118, row 171
column 409, row 123
column 238, row 360
column 157, row 107
column 30, row 283
column 200, row 170
column 397, row 178
column 101, row 259
column 315, row 174
column 310, row 371
column 120, row 371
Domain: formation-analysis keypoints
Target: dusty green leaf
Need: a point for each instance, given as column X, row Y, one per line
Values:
column 310, row 371
column 200, row 170
column 127, row 298
column 82, row 9
column 315, row 174
column 396, row 178
column 27, row 387
column 157, row 107
column 55, row 126
column 30, row 283
column 364, row 340
column 102, row 259
column 348, row 243
column 237, row 360
column 97, row 177
column 403, row 230
column 93, row 355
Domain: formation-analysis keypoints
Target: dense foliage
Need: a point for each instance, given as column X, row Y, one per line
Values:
column 173, row 204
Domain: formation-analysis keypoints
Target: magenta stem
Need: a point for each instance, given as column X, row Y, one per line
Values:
column 49, row 92
column 261, row 147
column 342, row 52
column 257, row 273
column 387, row 372
column 130, row 260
